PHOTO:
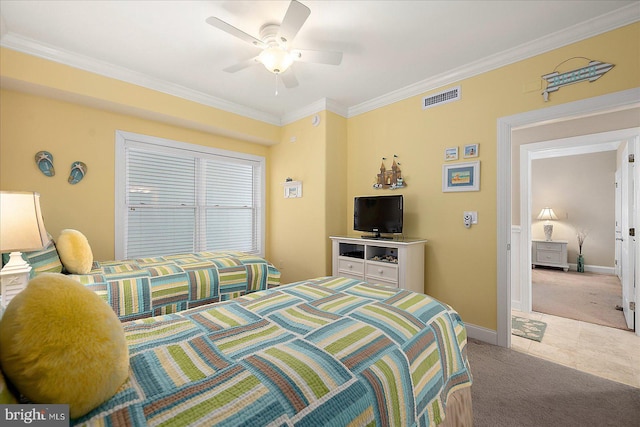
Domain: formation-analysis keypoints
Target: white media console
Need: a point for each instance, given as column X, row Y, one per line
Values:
column 394, row 262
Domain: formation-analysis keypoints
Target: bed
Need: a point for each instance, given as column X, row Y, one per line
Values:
column 145, row 287
column 329, row 351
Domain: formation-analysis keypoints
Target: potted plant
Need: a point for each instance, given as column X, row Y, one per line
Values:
column 582, row 235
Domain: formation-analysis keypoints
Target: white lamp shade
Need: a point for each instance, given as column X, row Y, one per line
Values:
column 21, row 225
column 547, row 213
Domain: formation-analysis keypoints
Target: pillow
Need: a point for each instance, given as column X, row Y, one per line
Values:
column 6, row 397
column 46, row 260
column 60, row 343
column 75, row 252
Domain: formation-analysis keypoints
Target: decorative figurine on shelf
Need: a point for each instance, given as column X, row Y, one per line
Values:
column 381, row 175
column 391, row 179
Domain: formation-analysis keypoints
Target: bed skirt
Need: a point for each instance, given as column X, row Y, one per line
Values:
column 459, row 409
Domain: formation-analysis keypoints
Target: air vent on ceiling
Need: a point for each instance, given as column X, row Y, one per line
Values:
column 448, row 95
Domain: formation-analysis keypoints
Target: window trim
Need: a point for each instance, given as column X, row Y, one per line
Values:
column 124, row 139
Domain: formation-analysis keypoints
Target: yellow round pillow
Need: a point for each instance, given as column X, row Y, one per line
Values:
column 61, row 343
column 74, row 251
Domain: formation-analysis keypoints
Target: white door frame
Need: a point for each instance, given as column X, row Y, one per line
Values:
column 618, row 222
column 628, row 243
column 637, row 225
column 597, row 105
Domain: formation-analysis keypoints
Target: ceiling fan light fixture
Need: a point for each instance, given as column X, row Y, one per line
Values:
column 276, row 59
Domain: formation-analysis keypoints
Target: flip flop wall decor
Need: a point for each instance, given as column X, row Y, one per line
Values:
column 44, row 160
column 78, row 171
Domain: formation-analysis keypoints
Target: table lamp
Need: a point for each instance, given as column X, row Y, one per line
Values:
column 21, row 229
column 547, row 214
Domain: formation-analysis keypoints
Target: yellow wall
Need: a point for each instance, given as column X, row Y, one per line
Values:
column 336, row 195
column 27, row 72
column 461, row 263
column 298, row 224
column 335, row 161
column 71, row 132
column 300, row 227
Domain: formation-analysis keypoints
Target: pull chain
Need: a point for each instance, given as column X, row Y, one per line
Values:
column 277, row 84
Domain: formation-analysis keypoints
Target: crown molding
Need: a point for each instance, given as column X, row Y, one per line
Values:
column 41, row 50
column 314, row 108
column 337, row 108
column 616, row 19
column 584, row 30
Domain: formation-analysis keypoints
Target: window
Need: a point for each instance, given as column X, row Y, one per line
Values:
column 173, row 197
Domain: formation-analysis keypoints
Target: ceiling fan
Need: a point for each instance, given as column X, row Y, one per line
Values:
column 276, row 43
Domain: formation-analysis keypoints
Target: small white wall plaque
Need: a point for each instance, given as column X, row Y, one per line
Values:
column 292, row 189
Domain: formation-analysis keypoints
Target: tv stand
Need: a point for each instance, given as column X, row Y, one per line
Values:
column 387, row 261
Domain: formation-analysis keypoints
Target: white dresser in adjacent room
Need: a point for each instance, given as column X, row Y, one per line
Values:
column 550, row 253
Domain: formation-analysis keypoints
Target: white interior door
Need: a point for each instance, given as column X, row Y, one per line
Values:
column 635, row 214
column 618, row 213
column 627, row 255
column 636, row 219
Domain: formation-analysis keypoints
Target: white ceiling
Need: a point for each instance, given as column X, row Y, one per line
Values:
column 392, row 49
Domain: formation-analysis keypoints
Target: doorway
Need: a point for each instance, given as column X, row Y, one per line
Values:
column 619, row 101
column 599, row 155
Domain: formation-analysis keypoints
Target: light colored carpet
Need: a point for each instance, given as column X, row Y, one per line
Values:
column 588, row 297
column 512, row 389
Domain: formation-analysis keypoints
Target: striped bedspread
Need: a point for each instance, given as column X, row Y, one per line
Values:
column 146, row 287
column 324, row 352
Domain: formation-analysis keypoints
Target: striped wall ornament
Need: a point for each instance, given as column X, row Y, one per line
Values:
column 590, row 73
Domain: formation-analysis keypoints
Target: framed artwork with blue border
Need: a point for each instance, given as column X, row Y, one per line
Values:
column 461, row 177
column 470, row 150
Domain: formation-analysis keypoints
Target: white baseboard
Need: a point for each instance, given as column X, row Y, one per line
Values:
column 594, row 269
column 482, row 334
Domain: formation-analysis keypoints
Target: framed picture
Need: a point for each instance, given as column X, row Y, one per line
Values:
column 292, row 189
column 461, row 177
column 470, row 150
column 450, row 153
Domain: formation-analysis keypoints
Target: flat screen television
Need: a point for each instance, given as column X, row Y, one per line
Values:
column 378, row 214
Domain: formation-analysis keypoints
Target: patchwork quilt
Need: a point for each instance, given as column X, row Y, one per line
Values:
column 323, row 352
column 146, row 287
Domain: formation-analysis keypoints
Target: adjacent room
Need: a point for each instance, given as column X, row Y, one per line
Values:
column 584, row 222
column 321, row 213
column 577, row 303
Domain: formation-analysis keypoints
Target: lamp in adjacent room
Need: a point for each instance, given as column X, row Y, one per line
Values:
column 547, row 214
column 21, row 230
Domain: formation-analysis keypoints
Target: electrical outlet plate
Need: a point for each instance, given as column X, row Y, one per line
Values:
column 473, row 214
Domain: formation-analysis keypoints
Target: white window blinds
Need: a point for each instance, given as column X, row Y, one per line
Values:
column 230, row 211
column 181, row 198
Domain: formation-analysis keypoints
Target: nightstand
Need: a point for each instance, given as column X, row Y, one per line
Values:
column 550, row 253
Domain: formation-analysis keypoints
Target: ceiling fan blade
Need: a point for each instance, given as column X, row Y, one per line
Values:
column 242, row 65
column 318, row 56
column 294, row 18
column 289, row 79
column 228, row 28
